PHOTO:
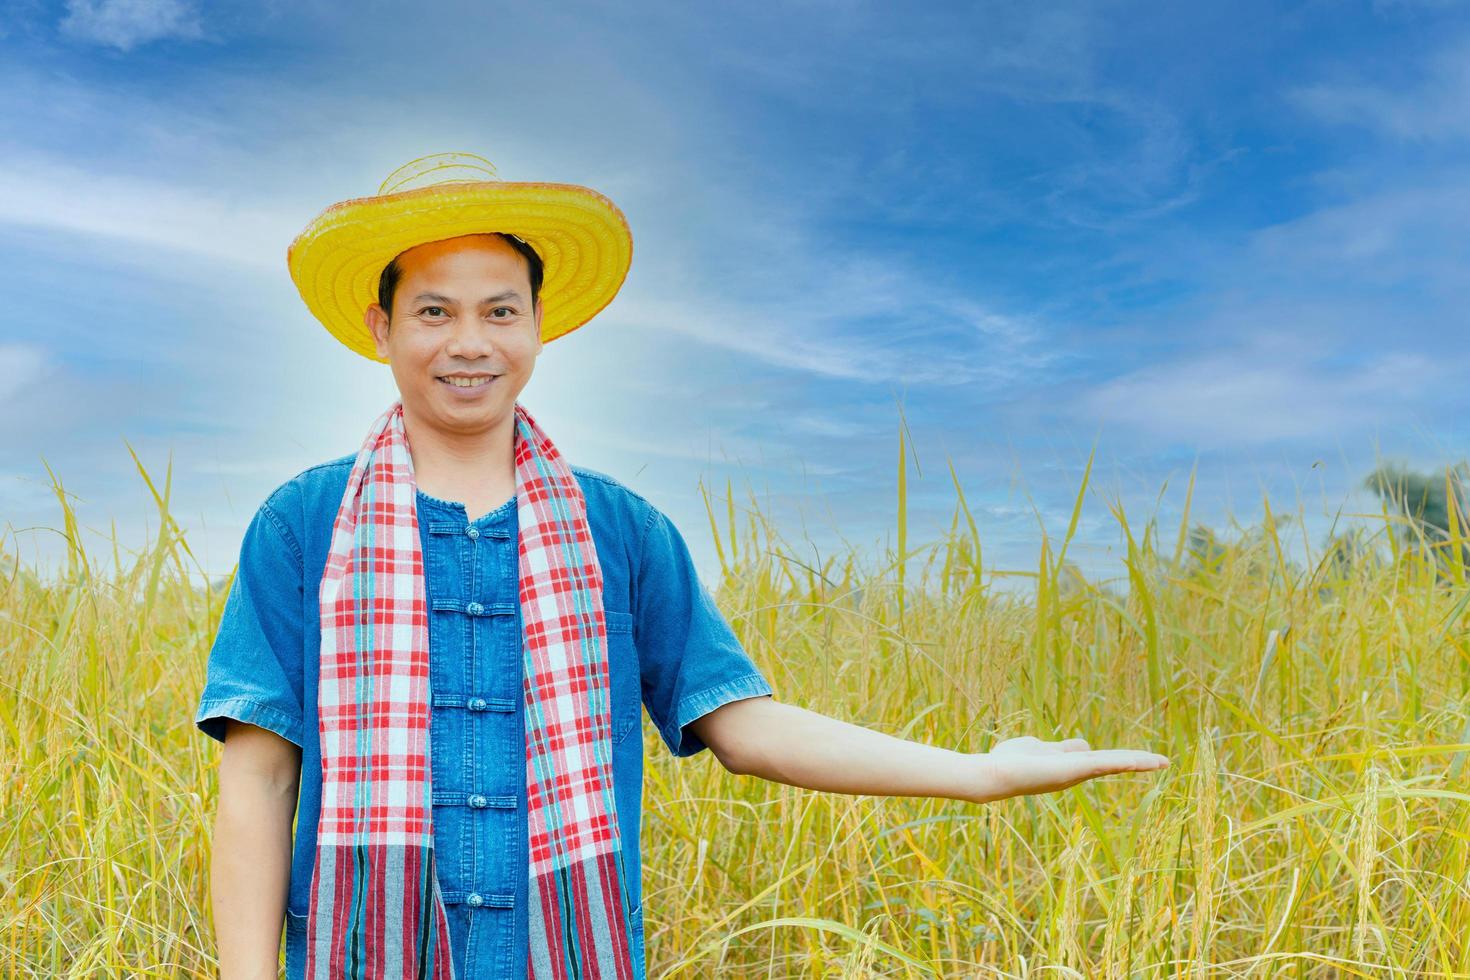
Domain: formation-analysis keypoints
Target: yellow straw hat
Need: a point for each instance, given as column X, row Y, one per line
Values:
column 583, row 240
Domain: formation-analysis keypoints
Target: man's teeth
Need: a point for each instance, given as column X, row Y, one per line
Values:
column 466, row 382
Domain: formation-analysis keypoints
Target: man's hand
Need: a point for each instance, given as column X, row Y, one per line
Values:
column 1025, row 765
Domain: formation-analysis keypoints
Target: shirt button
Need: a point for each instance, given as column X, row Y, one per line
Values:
column 474, row 609
column 477, row 704
column 477, row 800
column 473, row 532
column 476, row 899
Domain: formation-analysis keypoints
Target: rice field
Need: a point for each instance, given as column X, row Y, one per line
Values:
column 1315, row 821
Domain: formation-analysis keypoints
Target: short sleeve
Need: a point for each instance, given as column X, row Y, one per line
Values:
column 254, row 673
column 690, row 659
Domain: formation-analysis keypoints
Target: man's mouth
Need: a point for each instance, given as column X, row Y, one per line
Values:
column 467, row 380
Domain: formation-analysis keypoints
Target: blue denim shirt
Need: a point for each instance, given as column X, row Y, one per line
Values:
column 668, row 647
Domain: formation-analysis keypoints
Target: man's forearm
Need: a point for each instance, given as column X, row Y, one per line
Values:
column 250, row 873
column 792, row 745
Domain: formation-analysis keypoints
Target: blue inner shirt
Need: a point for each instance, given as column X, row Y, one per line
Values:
column 669, row 648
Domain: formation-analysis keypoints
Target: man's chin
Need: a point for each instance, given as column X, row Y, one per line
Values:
column 453, row 414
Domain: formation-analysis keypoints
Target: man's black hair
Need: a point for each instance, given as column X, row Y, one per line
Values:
column 388, row 279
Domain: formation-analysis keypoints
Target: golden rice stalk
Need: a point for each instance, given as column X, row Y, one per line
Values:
column 1206, row 805
column 1365, row 856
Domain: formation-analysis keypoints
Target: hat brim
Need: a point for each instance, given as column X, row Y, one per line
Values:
column 583, row 239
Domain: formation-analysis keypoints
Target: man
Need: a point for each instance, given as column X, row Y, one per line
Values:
column 435, row 650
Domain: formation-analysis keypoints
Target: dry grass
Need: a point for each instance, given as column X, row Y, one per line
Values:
column 1314, row 823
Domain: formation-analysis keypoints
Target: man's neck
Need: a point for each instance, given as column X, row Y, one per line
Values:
column 475, row 469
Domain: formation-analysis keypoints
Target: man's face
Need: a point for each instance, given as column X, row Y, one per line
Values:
column 462, row 312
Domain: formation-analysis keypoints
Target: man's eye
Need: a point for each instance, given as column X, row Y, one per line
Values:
column 433, row 310
column 506, row 309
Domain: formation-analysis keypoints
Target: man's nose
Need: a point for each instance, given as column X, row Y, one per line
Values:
column 469, row 338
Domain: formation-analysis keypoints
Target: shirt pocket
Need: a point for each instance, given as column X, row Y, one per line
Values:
column 627, row 697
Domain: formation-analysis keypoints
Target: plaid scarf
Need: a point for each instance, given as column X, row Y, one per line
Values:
column 376, row 909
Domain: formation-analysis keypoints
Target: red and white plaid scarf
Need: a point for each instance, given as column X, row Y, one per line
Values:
column 376, row 910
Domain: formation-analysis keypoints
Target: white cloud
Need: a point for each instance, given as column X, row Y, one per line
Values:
column 20, row 364
column 1431, row 109
column 826, row 426
column 54, row 195
column 1412, row 233
column 125, row 24
column 1245, row 398
column 847, row 316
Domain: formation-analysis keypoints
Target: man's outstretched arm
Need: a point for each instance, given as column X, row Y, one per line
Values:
column 781, row 742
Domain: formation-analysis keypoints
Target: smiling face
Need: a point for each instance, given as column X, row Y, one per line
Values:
column 464, row 337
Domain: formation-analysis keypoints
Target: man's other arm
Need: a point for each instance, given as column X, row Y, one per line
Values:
column 250, row 865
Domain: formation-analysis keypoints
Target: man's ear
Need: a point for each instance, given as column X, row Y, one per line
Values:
column 377, row 324
column 539, row 342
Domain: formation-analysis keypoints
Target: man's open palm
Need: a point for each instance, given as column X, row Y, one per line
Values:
column 1025, row 765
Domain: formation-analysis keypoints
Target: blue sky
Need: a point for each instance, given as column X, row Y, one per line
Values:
column 1223, row 236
